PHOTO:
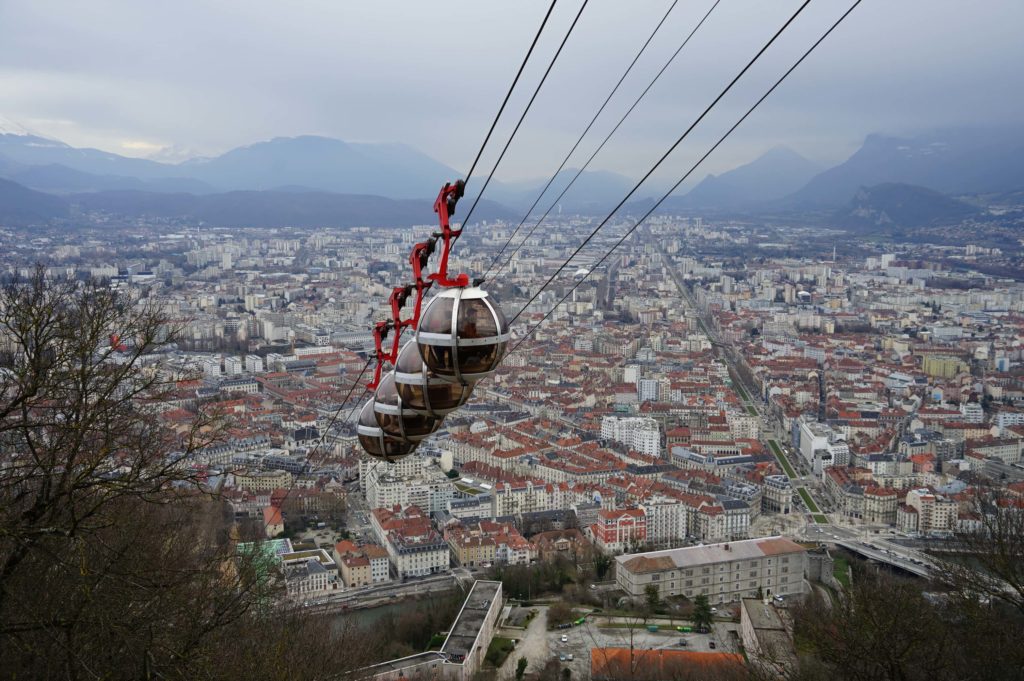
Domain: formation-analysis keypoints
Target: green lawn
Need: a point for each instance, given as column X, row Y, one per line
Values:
column 782, row 459
column 820, row 519
column 841, row 570
column 751, row 410
column 499, row 649
column 811, row 506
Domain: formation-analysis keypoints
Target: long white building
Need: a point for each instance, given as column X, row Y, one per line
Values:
column 723, row 572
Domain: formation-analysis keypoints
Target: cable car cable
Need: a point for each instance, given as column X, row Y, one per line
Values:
column 510, row 89
column 580, row 139
column 476, row 200
column 663, row 157
column 688, row 173
column 607, row 137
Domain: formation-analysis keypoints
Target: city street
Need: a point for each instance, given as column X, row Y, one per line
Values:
column 801, row 481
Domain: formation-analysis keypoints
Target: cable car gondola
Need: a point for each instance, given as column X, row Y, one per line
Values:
column 462, row 335
column 424, row 392
column 375, row 442
column 395, row 419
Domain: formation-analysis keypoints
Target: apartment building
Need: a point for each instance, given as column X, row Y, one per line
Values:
column 926, row 512
column 856, row 495
column 262, row 481
column 642, row 433
column 621, row 530
column 777, row 494
column 426, row 487
column 667, row 522
column 355, row 571
column 362, row 565
column 413, row 545
column 380, row 565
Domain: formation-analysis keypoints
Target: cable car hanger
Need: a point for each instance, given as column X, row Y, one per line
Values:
column 419, row 259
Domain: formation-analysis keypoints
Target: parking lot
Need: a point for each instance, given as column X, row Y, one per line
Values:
column 594, row 634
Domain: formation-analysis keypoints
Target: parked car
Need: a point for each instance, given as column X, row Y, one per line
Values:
column 711, row 644
column 565, row 639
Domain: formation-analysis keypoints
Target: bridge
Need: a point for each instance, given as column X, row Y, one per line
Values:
column 896, row 559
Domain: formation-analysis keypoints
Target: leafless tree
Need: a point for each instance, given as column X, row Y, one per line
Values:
column 989, row 556
column 115, row 562
column 884, row 628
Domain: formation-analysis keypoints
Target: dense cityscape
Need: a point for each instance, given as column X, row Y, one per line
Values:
column 697, row 402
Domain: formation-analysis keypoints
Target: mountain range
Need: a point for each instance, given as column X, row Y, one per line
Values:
column 952, row 162
column 312, row 180
column 774, row 175
column 903, row 205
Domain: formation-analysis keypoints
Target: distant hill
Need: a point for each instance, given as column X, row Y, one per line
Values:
column 272, row 208
column 21, row 206
column 594, row 191
column 956, row 162
column 59, row 179
column 39, row 151
column 322, row 163
column 777, row 173
column 951, row 162
column 902, row 205
column 298, row 164
column 319, row 163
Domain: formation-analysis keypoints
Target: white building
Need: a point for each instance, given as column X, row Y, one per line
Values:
column 232, row 366
column 723, row 572
column 648, row 389
column 254, row 364
column 822, row 447
column 308, row 578
column 1007, row 418
column 642, row 433
column 211, row 367
column 927, row 512
column 314, row 350
column 417, row 483
column 666, row 521
column 647, row 439
column 972, row 412
column 813, row 438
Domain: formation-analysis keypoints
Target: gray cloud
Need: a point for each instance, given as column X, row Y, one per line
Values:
column 206, row 76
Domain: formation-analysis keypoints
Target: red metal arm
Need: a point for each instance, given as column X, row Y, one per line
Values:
column 419, row 259
column 380, row 334
column 444, row 206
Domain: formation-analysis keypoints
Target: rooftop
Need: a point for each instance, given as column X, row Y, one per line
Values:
column 470, row 620
column 747, row 549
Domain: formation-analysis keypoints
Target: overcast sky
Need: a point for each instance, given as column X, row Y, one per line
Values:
column 198, row 77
